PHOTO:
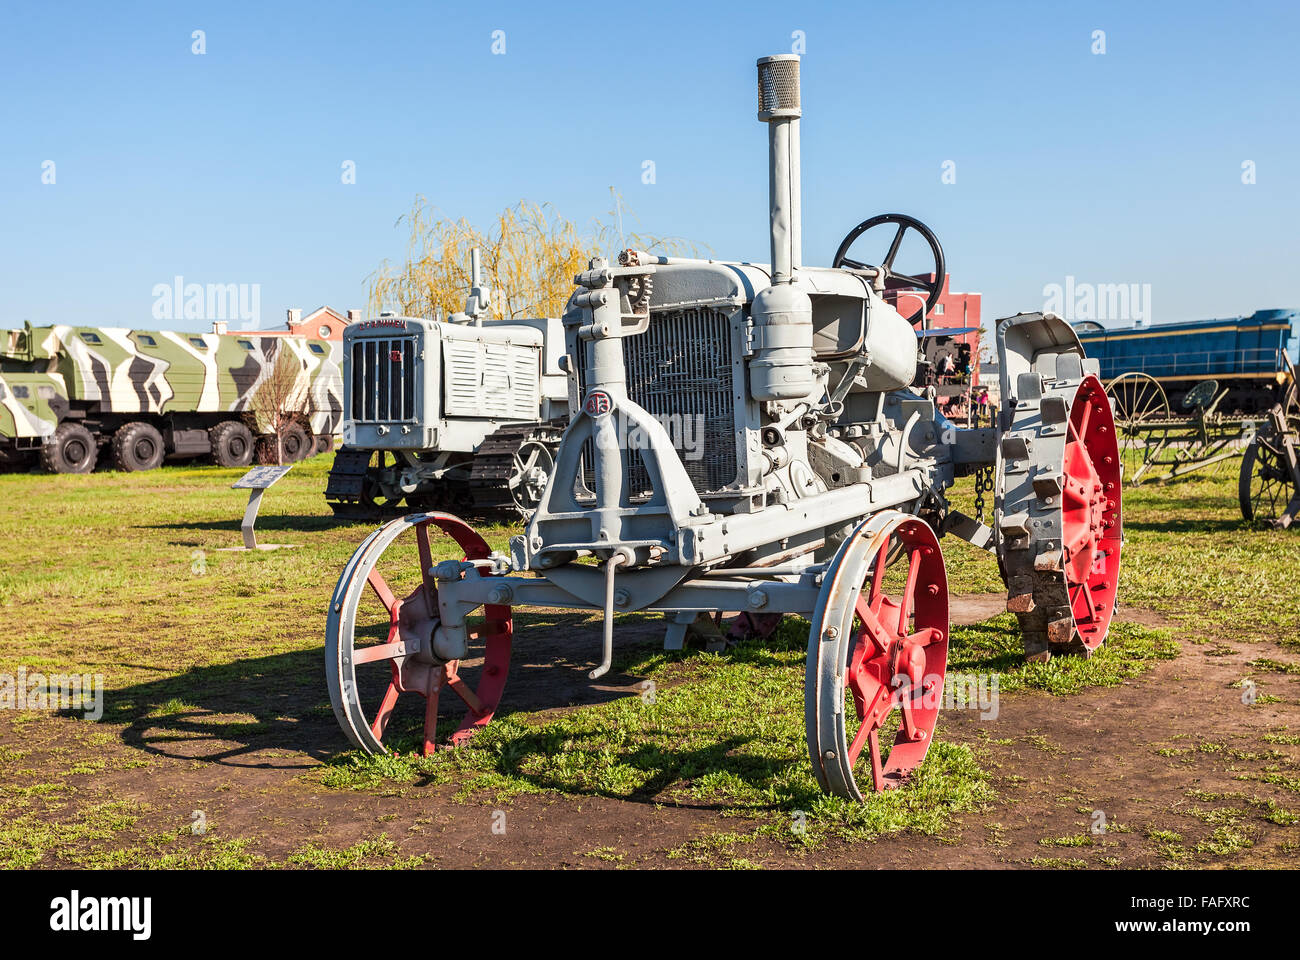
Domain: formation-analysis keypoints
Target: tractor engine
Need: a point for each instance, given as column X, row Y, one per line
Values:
column 733, row 413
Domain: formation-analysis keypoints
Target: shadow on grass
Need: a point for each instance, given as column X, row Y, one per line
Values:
column 1175, row 524
column 488, row 522
column 250, row 712
column 657, row 767
column 292, row 523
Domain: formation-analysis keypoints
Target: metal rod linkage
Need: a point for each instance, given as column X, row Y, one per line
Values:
column 607, row 649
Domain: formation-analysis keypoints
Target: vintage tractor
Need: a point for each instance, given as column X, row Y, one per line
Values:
column 818, row 490
column 457, row 414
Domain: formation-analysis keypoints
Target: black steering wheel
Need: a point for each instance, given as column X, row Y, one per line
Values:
column 887, row 277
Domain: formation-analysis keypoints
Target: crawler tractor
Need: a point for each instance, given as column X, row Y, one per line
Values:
column 821, row 492
column 461, row 414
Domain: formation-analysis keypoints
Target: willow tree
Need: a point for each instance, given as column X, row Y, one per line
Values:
column 529, row 254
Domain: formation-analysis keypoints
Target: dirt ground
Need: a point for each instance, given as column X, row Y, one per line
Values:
column 1140, row 755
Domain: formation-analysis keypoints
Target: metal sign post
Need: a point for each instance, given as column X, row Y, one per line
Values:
column 257, row 481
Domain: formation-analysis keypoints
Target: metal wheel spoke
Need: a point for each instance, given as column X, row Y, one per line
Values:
column 877, row 772
column 878, row 575
column 426, row 569
column 385, row 711
column 411, row 622
column 382, row 590
column 905, row 608
column 872, row 627
column 925, row 637
column 431, row 716
column 461, row 688
column 380, row 651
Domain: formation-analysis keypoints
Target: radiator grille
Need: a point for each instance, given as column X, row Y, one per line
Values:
column 680, row 371
column 383, row 380
column 491, row 379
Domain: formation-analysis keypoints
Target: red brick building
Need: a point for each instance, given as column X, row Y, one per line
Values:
column 323, row 323
column 955, row 310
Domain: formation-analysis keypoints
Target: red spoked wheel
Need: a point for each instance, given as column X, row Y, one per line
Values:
column 1091, row 533
column 382, row 621
column 877, row 647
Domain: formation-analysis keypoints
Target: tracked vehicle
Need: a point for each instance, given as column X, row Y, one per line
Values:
column 462, row 414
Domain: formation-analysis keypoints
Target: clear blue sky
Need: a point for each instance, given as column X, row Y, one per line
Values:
column 225, row 168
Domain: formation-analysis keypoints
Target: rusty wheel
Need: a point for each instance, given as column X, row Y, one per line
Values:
column 877, row 650
column 383, row 619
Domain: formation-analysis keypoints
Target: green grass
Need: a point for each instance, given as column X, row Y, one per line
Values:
column 380, row 851
column 730, row 730
column 723, row 729
column 124, row 575
column 994, row 647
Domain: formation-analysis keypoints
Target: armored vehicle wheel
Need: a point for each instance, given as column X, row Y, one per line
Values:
column 381, row 623
column 296, row 444
column 323, row 443
column 72, row 449
column 869, row 654
column 138, row 446
column 1059, row 516
column 232, row 444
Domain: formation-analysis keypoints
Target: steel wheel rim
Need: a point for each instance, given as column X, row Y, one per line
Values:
column 1090, row 514
column 412, row 620
column 1139, row 400
column 861, row 644
column 1269, row 482
column 532, row 468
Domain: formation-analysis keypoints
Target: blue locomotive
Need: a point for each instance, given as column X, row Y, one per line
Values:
column 1254, row 357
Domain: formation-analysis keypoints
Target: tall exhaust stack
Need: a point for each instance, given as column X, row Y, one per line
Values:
column 781, row 368
column 778, row 107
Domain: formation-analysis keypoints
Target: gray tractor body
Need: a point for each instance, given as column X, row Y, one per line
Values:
column 751, row 439
column 415, row 385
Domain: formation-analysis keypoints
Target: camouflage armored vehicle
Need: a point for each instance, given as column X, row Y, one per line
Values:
column 70, row 396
